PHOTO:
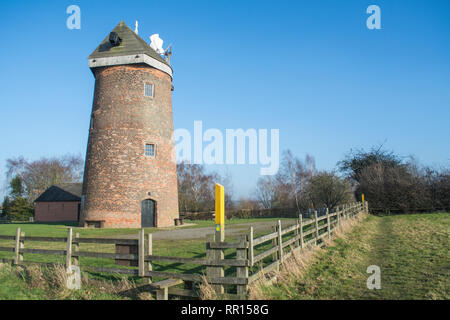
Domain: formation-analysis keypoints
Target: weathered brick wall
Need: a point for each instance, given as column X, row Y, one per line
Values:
column 118, row 175
column 55, row 211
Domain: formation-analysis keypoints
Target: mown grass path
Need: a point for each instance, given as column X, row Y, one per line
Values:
column 411, row 250
column 413, row 254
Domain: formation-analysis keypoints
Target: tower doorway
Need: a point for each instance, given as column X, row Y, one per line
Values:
column 148, row 213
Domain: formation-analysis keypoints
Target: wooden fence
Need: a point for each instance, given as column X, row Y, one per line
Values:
column 285, row 241
column 143, row 257
column 230, row 266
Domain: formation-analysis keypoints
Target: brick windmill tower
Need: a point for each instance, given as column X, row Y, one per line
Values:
column 130, row 172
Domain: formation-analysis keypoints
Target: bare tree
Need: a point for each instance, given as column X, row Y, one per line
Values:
column 296, row 175
column 287, row 188
column 328, row 190
column 397, row 184
column 266, row 192
column 196, row 188
column 38, row 175
column 226, row 180
column 293, row 166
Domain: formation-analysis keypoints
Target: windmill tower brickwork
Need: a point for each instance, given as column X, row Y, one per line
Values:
column 130, row 172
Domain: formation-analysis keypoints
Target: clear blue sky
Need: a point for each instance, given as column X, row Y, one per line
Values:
column 309, row 68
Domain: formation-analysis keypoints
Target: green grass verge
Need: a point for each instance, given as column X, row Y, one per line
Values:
column 40, row 283
column 411, row 250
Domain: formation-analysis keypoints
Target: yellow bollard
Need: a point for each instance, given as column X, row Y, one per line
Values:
column 220, row 211
column 362, row 198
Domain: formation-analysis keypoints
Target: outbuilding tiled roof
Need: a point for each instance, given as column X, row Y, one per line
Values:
column 61, row 193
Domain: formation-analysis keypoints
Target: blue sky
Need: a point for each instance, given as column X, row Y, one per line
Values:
column 311, row 69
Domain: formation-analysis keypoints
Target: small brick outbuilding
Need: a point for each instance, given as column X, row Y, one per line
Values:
column 59, row 203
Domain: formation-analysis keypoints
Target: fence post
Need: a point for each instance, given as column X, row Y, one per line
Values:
column 75, row 249
column 214, row 255
column 147, row 264
column 301, row 231
column 22, row 244
column 328, row 224
column 162, row 294
column 19, row 244
column 69, row 249
column 275, row 244
column 141, row 252
column 317, row 225
column 280, row 242
column 250, row 247
column 296, row 233
column 242, row 272
column 337, row 216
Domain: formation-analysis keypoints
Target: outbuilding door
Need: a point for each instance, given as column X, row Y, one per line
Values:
column 148, row 213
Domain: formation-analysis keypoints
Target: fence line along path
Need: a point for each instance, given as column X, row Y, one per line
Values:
column 230, row 266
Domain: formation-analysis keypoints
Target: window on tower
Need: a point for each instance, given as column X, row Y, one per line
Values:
column 150, row 150
column 149, row 90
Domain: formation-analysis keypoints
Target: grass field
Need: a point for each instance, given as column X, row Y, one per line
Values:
column 411, row 250
column 60, row 229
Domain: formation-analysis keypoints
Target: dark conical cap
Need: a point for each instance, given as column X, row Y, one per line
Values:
column 131, row 44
